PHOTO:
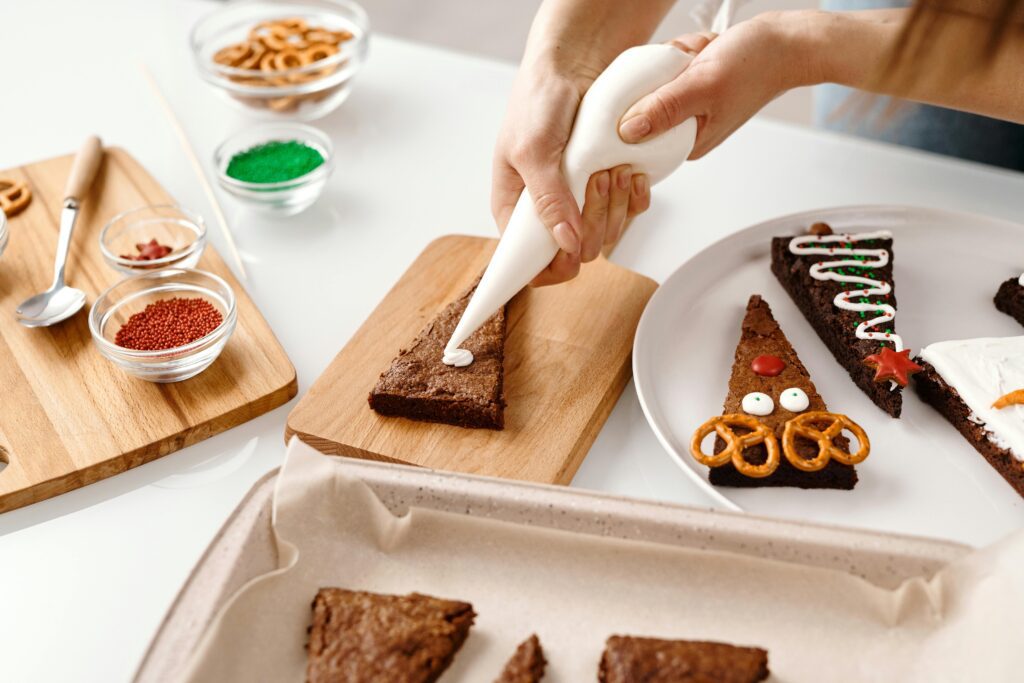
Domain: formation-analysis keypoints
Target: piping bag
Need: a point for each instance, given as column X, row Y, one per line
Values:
column 527, row 247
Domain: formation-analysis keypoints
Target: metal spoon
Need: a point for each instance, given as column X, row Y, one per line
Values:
column 60, row 302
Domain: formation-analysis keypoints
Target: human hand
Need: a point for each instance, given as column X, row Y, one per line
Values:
column 732, row 77
column 528, row 155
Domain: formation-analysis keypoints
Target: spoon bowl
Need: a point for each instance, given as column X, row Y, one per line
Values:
column 50, row 307
column 60, row 301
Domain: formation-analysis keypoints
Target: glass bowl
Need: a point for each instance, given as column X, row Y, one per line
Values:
column 181, row 230
column 285, row 198
column 131, row 295
column 305, row 92
column 3, row 231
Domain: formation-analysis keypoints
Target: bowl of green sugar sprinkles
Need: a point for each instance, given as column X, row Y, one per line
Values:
column 279, row 169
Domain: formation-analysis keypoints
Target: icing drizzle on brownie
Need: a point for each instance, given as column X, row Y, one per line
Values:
column 981, row 370
column 806, row 245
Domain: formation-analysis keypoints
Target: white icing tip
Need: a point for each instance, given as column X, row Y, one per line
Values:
column 1020, row 280
column 460, row 358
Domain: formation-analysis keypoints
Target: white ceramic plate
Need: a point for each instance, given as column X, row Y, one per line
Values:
column 922, row 476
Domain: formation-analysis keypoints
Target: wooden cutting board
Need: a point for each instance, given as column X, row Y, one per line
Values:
column 69, row 416
column 567, row 359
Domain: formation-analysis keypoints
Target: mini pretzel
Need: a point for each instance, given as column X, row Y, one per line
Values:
column 233, row 55
column 736, row 444
column 314, row 53
column 322, row 35
column 288, row 59
column 803, row 426
column 14, row 196
column 255, row 54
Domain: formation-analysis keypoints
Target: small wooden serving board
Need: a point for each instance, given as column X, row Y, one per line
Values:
column 567, row 360
column 69, row 417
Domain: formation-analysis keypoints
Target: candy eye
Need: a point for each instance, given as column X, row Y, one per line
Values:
column 756, row 403
column 794, row 400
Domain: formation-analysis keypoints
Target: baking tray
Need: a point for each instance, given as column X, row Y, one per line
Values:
column 246, row 540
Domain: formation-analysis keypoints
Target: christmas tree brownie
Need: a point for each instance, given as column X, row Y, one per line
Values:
column 775, row 429
column 843, row 284
column 1010, row 298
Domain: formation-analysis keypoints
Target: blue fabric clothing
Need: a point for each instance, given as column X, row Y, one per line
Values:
column 936, row 129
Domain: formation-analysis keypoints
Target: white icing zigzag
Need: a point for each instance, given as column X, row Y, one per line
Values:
column 823, row 271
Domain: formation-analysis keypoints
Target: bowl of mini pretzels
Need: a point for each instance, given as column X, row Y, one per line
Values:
column 283, row 60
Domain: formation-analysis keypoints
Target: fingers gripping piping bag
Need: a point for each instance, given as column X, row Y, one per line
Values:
column 527, row 247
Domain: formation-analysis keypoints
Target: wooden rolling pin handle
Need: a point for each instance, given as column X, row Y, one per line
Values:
column 83, row 168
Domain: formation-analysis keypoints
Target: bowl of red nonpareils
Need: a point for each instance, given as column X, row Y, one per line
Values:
column 153, row 237
column 166, row 325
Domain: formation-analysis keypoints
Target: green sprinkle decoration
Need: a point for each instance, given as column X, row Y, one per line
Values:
column 274, row 162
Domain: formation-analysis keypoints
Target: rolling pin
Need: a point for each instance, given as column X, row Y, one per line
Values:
column 527, row 246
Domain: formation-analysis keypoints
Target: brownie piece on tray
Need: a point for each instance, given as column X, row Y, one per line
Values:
column 526, row 664
column 815, row 269
column 978, row 385
column 628, row 659
column 1010, row 298
column 419, row 386
column 358, row 637
column 771, row 393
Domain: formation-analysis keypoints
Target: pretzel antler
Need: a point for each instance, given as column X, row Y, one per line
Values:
column 14, row 196
column 804, row 426
column 735, row 444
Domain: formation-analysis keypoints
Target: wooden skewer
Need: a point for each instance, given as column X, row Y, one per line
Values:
column 197, row 167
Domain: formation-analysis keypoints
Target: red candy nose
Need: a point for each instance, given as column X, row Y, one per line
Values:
column 767, row 366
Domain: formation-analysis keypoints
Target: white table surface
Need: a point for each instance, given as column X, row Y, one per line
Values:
column 85, row 578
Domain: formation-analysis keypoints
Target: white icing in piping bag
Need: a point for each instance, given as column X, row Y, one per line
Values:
column 527, row 247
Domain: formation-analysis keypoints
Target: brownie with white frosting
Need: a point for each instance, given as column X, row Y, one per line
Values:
column 418, row 386
column 978, row 386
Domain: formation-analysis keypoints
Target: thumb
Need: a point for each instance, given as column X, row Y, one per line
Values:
column 555, row 205
column 665, row 108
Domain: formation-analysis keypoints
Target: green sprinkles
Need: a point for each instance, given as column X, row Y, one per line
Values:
column 274, row 162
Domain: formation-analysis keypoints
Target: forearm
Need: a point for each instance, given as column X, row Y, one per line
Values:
column 579, row 38
column 852, row 49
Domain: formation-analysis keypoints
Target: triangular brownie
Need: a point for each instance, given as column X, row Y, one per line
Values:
column 865, row 324
column 770, row 385
column 1010, row 298
column 419, row 386
column 526, row 665
column 628, row 659
column 358, row 636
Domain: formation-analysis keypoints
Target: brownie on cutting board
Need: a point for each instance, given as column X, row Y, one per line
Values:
column 419, row 386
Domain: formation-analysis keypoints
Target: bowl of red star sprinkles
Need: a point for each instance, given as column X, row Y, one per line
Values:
column 167, row 325
column 153, row 237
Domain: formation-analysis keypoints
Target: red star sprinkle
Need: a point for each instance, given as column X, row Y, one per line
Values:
column 892, row 365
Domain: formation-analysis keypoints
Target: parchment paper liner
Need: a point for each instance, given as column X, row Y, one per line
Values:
column 574, row 590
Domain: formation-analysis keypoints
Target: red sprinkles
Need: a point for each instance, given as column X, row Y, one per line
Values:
column 167, row 323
